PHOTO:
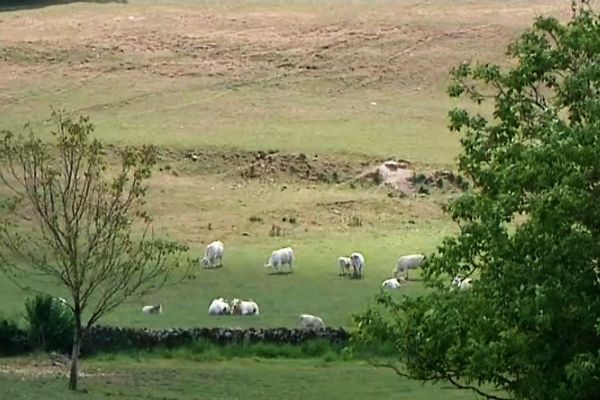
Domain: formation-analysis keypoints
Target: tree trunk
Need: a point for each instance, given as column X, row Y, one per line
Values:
column 77, row 339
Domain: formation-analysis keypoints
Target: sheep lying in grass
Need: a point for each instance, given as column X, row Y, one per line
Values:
column 61, row 301
column 241, row 307
column 155, row 309
column 392, row 283
column 219, row 307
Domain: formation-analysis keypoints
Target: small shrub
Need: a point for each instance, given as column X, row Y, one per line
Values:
column 330, row 356
column 13, row 339
column 51, row 324
column 423, row 190
column 419, row 178
column 355, row 220
column 256, row 218
column 377, row 179
column 462, row 183
column 275, row 230
column 335, row 177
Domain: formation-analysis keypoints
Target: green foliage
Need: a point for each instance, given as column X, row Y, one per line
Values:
column 51, row 323
column 13, row 339
column 529, row 231
column 72, row 219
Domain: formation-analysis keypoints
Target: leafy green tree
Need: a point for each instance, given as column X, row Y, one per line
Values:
column 70, row 218
column 529, row 232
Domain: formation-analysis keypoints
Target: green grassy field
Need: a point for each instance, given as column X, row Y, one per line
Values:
column 262, row 75
column 314, row 288
column 236, row 379
column 349, row 84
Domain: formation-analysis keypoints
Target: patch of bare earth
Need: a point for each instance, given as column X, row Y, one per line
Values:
column 36, row 368
column 398, row 176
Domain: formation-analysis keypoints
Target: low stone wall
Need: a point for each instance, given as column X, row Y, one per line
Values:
column 108, row 338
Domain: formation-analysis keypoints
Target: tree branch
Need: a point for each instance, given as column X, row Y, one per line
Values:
column 435, row 377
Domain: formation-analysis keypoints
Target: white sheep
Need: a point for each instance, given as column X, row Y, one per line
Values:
column 213, row 255
column 219, row 307
column 62, row 301
column 155, row 309
column 308, row 321
column 411, row 261
column 392, row 283
column 344, row 265
column 280, row 257
column 462, row 284
column 358, row 264
column 241, row 307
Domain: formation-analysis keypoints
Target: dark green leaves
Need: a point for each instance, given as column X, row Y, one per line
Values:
column 529, row 230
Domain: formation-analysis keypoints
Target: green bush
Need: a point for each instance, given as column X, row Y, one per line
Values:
column 13, row 339
column 51, row 324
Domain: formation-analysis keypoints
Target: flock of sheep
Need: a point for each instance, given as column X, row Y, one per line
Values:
column 352, row 265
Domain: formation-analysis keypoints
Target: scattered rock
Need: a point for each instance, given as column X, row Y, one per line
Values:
column 394, row 174
column 404, row 181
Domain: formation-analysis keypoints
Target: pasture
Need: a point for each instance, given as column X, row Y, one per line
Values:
column 344, row 85
column 156, row 378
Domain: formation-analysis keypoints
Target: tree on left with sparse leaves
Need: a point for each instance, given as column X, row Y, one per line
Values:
column 68, row 216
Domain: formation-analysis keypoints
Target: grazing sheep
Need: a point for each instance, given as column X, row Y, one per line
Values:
column 213, row 255
column 462, row 283
column 392, row 283
column 219, row 307
column 411, row 261
column 281, row 257
column 358, row 263
column 240, row 307
column 155, row 309
column 310, row 322
column 344, row 265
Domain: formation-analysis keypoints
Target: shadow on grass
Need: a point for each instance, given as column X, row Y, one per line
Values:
column 281, row 273
column 17, row 5
column 212, row 268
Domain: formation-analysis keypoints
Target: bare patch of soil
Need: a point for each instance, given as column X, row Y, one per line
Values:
column 400, row 177
column 35, row 368
column 263, row 166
